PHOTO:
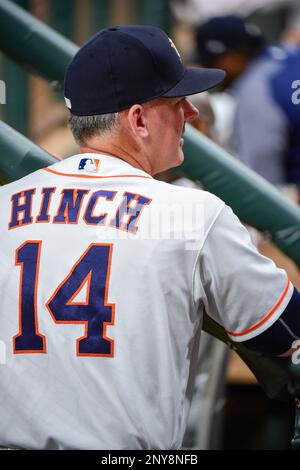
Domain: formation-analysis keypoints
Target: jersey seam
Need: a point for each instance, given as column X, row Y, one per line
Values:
column 75, row 175
column 269, row 315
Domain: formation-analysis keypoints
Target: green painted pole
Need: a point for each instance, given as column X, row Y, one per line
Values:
column 19, row 156
column 15, row 111
column 156, row 13
column 61, row 15
column 33, row 44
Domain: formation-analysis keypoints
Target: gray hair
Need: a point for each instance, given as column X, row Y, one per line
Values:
column 83, row 127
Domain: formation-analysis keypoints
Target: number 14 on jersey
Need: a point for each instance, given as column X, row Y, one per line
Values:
column 91, row 269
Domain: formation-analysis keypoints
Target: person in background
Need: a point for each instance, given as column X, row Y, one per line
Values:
column 263, row 80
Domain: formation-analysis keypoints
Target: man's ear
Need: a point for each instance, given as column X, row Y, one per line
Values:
column 137, row 118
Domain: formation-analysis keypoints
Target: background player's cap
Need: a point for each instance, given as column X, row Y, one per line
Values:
column 124, row 65
column 224, row 33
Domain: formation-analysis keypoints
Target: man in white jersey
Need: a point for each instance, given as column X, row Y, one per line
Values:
column 106, row 272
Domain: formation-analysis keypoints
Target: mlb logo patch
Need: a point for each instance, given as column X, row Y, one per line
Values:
column 89, row 164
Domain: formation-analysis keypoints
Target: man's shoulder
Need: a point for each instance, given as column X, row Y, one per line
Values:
column 184, row 195
column 25, row 182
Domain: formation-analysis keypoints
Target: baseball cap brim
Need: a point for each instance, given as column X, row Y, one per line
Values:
column 196, row 80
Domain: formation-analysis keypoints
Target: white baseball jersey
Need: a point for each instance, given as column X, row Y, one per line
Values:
column 104, row 276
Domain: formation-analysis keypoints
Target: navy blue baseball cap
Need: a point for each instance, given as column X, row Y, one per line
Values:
column 125, row 65
column 226, row 33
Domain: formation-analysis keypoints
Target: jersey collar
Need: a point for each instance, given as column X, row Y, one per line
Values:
column 96, row 165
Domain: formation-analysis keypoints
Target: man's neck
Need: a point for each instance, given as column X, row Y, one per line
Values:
column 114, row 150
